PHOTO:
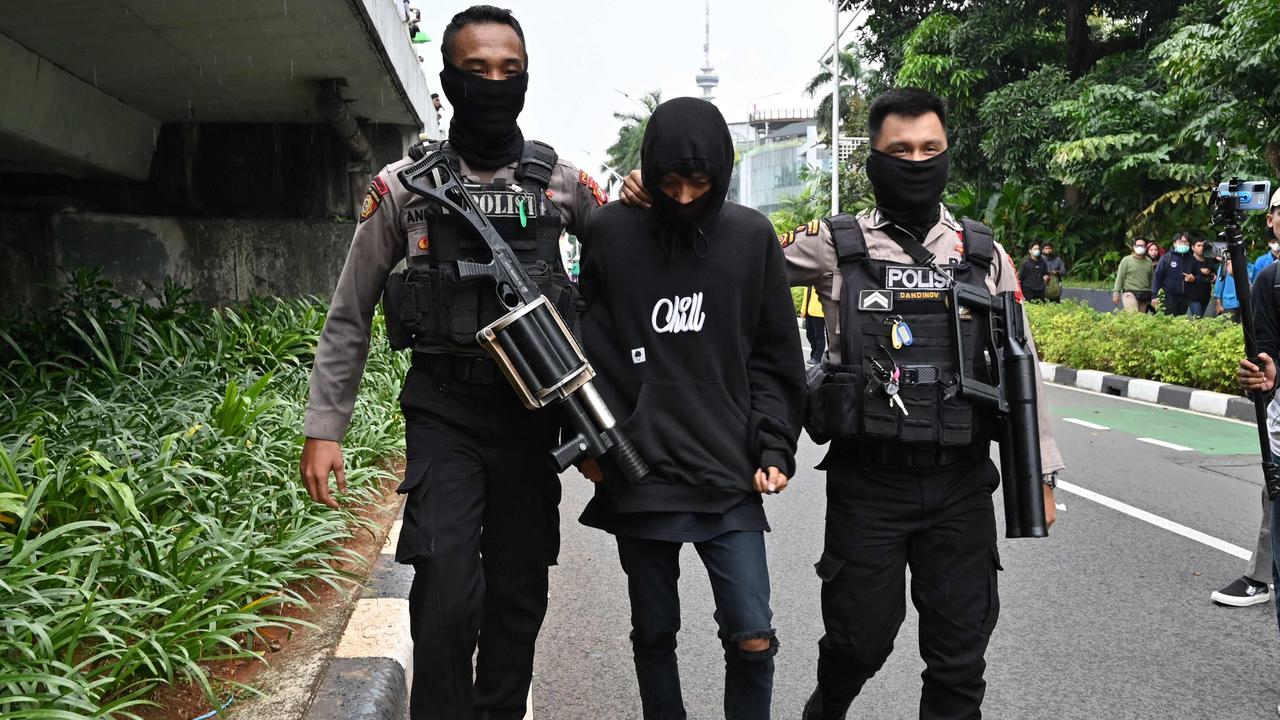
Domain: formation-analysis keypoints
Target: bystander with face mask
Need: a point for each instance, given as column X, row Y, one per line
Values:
column 1033, row 274
column 1133, row 279
column 1170, row 277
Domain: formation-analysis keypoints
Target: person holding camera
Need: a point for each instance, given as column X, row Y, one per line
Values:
column 1252, row 588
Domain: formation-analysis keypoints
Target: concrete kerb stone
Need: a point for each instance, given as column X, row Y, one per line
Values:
column 1158, row 393
column 1145, row 390
column 1210, row 403
column 1241, row 409
column 1090, row 379
column 371, row 671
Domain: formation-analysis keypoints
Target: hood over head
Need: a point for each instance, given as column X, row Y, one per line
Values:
column 685, row 135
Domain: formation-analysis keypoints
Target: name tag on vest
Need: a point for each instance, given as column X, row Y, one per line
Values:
column 904, row 277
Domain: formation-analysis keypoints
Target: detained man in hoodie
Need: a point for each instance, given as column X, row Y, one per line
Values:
column 690, row 325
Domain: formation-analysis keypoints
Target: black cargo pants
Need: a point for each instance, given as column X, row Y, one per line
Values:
column 940, row 523
column 481, row 526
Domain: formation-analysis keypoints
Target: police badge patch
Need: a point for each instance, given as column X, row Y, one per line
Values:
column 370, row 206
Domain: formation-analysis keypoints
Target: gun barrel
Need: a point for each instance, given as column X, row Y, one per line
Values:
column 1022, row 428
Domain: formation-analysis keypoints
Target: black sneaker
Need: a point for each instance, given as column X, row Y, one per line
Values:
column 1242, row 592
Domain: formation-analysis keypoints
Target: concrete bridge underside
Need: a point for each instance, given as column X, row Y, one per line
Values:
column 88, row 83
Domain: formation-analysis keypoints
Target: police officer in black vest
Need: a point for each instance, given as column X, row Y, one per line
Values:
column 481, row 524
column 909, row 472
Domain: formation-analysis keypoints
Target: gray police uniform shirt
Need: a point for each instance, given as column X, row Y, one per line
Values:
column 812, row 260
column 391, row 228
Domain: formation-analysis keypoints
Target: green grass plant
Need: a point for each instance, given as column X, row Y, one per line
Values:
column 151, row 519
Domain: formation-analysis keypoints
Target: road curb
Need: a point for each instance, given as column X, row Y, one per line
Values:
column 369, row 675
column 1151, row 391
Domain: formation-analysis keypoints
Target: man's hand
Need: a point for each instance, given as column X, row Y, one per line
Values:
column 1217, row 307
column 319, row 458
column 1115, row 298
column 1252, row 378
column 633, row 192
column 590, row 469
column 1046, row 278
column 1155, row 304
column 773, row 482
column 1050, row 507
column 1188, row 277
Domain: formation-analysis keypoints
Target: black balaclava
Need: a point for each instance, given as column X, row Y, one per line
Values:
column 685, row 135
column 909, row 192
column 483, row 129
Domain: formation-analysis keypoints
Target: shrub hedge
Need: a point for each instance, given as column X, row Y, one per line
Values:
column 1196, row 353
column 150, row 514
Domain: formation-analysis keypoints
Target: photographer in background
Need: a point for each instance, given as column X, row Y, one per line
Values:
column 1252, row 588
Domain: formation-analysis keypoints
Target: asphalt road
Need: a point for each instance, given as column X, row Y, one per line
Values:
column 1108, row 618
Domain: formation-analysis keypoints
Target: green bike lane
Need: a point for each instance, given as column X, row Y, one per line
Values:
column 1202, row 433
column 1195, row 470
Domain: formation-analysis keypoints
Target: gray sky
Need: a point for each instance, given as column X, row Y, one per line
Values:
column 580, row 51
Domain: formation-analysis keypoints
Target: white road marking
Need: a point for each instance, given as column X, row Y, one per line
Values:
column 1143, row 403
column 1163, row 444
column 1085, row 423
column 1156, row 520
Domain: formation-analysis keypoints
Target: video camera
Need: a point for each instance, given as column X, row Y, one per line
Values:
column 1249, row 195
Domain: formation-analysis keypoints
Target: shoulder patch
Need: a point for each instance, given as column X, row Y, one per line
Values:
column 379, row 185
column 370, row 206
column 787, row 239
column 590, row 183
column 812, row 227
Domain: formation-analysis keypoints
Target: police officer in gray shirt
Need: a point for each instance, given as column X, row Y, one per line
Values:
column 481, row 524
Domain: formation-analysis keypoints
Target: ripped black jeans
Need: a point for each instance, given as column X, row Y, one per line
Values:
column 739, row 574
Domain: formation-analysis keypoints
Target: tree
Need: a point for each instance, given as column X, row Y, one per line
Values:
column 854, row 81
column 624, row 155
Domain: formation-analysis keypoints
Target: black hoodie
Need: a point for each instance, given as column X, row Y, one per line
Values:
column 690, row 325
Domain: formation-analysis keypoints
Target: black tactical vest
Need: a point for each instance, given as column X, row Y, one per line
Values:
column 433, row 305
column 851, row 403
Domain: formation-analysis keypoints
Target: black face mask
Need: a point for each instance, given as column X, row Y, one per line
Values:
column 908, row 192
column 684, row 136
column 483, row 129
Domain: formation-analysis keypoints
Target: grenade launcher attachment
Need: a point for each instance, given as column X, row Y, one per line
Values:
column 536, row 351
column 1011, row 394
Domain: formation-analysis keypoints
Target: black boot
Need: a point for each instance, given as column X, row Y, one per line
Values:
column 819, row 709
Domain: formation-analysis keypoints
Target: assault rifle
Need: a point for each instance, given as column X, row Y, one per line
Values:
column 536, row 351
